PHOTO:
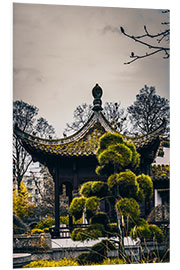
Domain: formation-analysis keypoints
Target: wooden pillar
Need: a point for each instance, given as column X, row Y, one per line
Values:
column 70, row 217
column 56, row 191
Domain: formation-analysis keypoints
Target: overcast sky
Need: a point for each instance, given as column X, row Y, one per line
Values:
column 61, row 52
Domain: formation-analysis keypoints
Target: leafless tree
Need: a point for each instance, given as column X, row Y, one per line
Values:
column 155, row 43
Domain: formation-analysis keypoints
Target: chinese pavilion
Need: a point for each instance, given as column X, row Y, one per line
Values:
column 72, row 160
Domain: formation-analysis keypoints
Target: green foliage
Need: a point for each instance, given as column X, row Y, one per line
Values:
column 45, row 223
column 98, row 253
column 51, row 263
column 93, row 231
column 108, row 139
column 156, row 233
column 128, row 207
column 94, row 188
column 99, row 189
column 128, row 185
column 92, row 203
column 116, row 154
column 112, row 229
column 86, row 189
column 77, row 207
column 39, row 231
column 22, row 205
column 147, row 232
column 146, row 186
column 135, row 155
column 100, row 218
column 112, row 180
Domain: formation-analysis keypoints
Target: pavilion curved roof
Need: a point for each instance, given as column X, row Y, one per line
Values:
column 85, row 141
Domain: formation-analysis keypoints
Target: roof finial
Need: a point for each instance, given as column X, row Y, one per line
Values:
column 97, row 94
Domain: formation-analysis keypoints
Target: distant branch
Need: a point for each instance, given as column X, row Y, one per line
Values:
column 146, row 41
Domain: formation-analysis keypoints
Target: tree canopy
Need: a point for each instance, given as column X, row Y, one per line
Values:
column 25, row 116
column 149, row 111
column 113, row 112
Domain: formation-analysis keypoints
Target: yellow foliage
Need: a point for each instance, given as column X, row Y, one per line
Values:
column 22, row 207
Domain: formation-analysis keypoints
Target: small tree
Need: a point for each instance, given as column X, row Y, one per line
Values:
column 118, row 161
column 22, row 205
column 25, row 117
column 149, row 111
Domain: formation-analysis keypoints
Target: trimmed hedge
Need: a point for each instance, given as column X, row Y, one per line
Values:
column 128, row 207
column 97, row 254
column 99, row 218
column 147, row 232
column 146, row 186
column 77, row 206
column 128, row 185
column 51, row 263
column 93, row 231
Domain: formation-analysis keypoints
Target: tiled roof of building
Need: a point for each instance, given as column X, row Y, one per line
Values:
column 85, row 141
column 160, row 172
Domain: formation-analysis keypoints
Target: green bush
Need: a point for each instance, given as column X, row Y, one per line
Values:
column 128, row 207
column 112, row 229
column 147, row 232
column 128, row 185
column 99, row 218
column 157, row 233
column 92, row 203
column 135, row 155
column 51, row 263
column 142, row 232
column 99, row 189
column 35, row 230
column 45, row 223
column 112, row 180
column 93, row 231
column 82, row 258
column 98, row 253
column 86, row 189
column 109, row 139
column 77, row 206
column 146, row 186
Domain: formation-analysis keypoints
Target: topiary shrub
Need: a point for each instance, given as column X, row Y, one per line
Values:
column 99, row 251
column 135, row 155
column 93, row 231
column 92, row 203
column 128, row 185
column 142, row 232
column 82, row 258
column 112, row 180
column 99, row 189
column 128, row 207
column 147, row 232
column 77, row 206
column 112, row 229
column 109, row 139
column 99, row 218
column 146, row 186
column 156, row 232
column 45, row 223
column 86, row 189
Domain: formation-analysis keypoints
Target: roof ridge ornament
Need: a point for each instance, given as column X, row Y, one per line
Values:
column 97, row 94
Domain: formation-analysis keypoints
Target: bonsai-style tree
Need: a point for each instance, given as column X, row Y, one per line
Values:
column 123, row 190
